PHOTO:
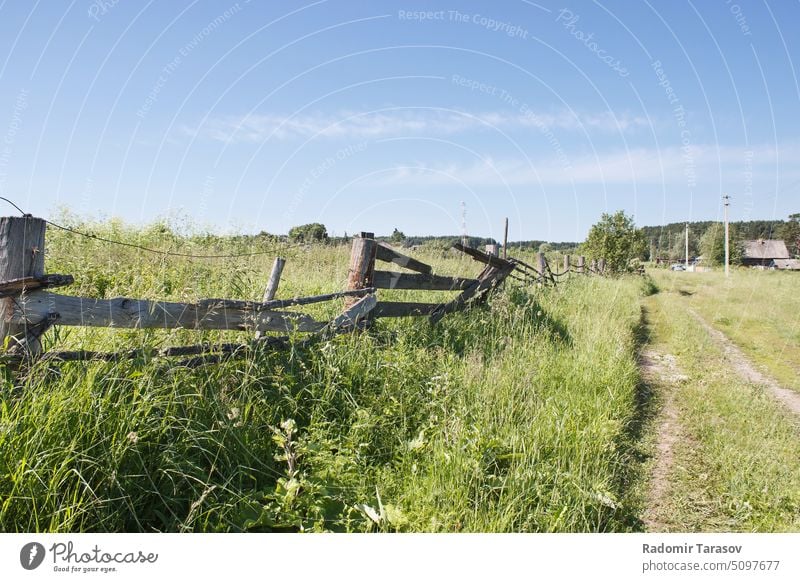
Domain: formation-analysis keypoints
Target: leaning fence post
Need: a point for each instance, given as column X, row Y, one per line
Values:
column 541, row 265
column 274, row 280
column 581, row 264
column 272, row 285
column 362, row 264
column 21, row 255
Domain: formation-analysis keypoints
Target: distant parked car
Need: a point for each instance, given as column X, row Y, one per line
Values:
column 678, row 267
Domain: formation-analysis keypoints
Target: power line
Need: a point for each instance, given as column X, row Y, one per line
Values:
column 148, row 249
column 22, row 212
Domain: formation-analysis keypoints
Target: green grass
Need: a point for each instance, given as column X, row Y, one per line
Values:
column 758, row 310
column 519, row 416
column 737, row 460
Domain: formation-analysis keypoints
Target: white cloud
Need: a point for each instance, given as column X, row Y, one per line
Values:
column 255, row 128
column 641, row 165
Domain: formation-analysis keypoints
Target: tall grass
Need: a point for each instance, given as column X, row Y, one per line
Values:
column 512, row 417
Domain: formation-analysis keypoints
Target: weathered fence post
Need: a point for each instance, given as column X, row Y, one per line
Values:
column 21, row 255
column 541, row 265
column 274, row 279
column 492, row 250
column 362, row 263
column 272, row 285
column 601, row 265
column 505, row 241
column 581, row 266
column 566, row 264
column 593, row 266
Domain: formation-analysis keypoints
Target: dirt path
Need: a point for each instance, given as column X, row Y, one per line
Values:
column 745, row 368
column 661, row 371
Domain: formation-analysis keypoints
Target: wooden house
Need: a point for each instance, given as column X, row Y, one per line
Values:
column 761, row 253
column 786, row 264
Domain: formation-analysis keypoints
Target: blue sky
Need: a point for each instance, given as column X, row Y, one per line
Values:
column 248, row 116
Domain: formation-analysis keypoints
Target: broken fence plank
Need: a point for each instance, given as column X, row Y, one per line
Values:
column 123, row 312
column 395, row 280
column 17, row 286
column 280, row 303
column 404, row 309
column 352, row 317
column 489, row 278
column 387, row 254
column 353, row 314
column 482, row 257
column 174, row 351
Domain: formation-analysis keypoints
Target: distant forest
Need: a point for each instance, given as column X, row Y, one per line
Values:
column 662, row 236
column 480, row 242
column 706, row 237
column 666, row 241
column 662, row 242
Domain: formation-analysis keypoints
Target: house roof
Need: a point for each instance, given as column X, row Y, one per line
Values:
column 788, row 264
column 765, row 249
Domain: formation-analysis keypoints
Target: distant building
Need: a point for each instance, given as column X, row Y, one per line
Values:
column 493, row 250
column 786, row 264
column 761, row 253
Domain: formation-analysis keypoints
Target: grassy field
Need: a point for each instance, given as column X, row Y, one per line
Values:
column 521, row 416
column 757, row 310
column 735, row 462
column 527, row 414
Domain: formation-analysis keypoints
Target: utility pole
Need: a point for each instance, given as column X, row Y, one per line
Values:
column 727, row 202
column 687, row 247
column 505, row 241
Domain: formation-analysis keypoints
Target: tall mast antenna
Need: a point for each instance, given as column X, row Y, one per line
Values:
column 463, row 223
column 727, row 201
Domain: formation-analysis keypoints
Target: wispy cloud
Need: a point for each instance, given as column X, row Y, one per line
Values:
column 403, row 122
column 641, row 165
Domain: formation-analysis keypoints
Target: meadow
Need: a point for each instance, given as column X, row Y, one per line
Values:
column 734, row 460
column 758, row 310
column 522, row 415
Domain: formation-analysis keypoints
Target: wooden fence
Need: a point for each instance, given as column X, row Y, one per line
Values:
column 29, row 306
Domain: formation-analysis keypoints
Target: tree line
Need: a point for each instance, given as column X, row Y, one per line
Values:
column 614, row 238
column 617, row 239
column 707, row 238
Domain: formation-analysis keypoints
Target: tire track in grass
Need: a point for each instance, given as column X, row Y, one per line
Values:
column 661, row 370
column 733, row 465
column 747, row 370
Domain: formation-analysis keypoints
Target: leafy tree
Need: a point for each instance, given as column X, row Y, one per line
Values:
column 617, row 240
column 677, row 250
column 789, row 232
column 308, row 233
column 398, row 237
column 712, row 245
